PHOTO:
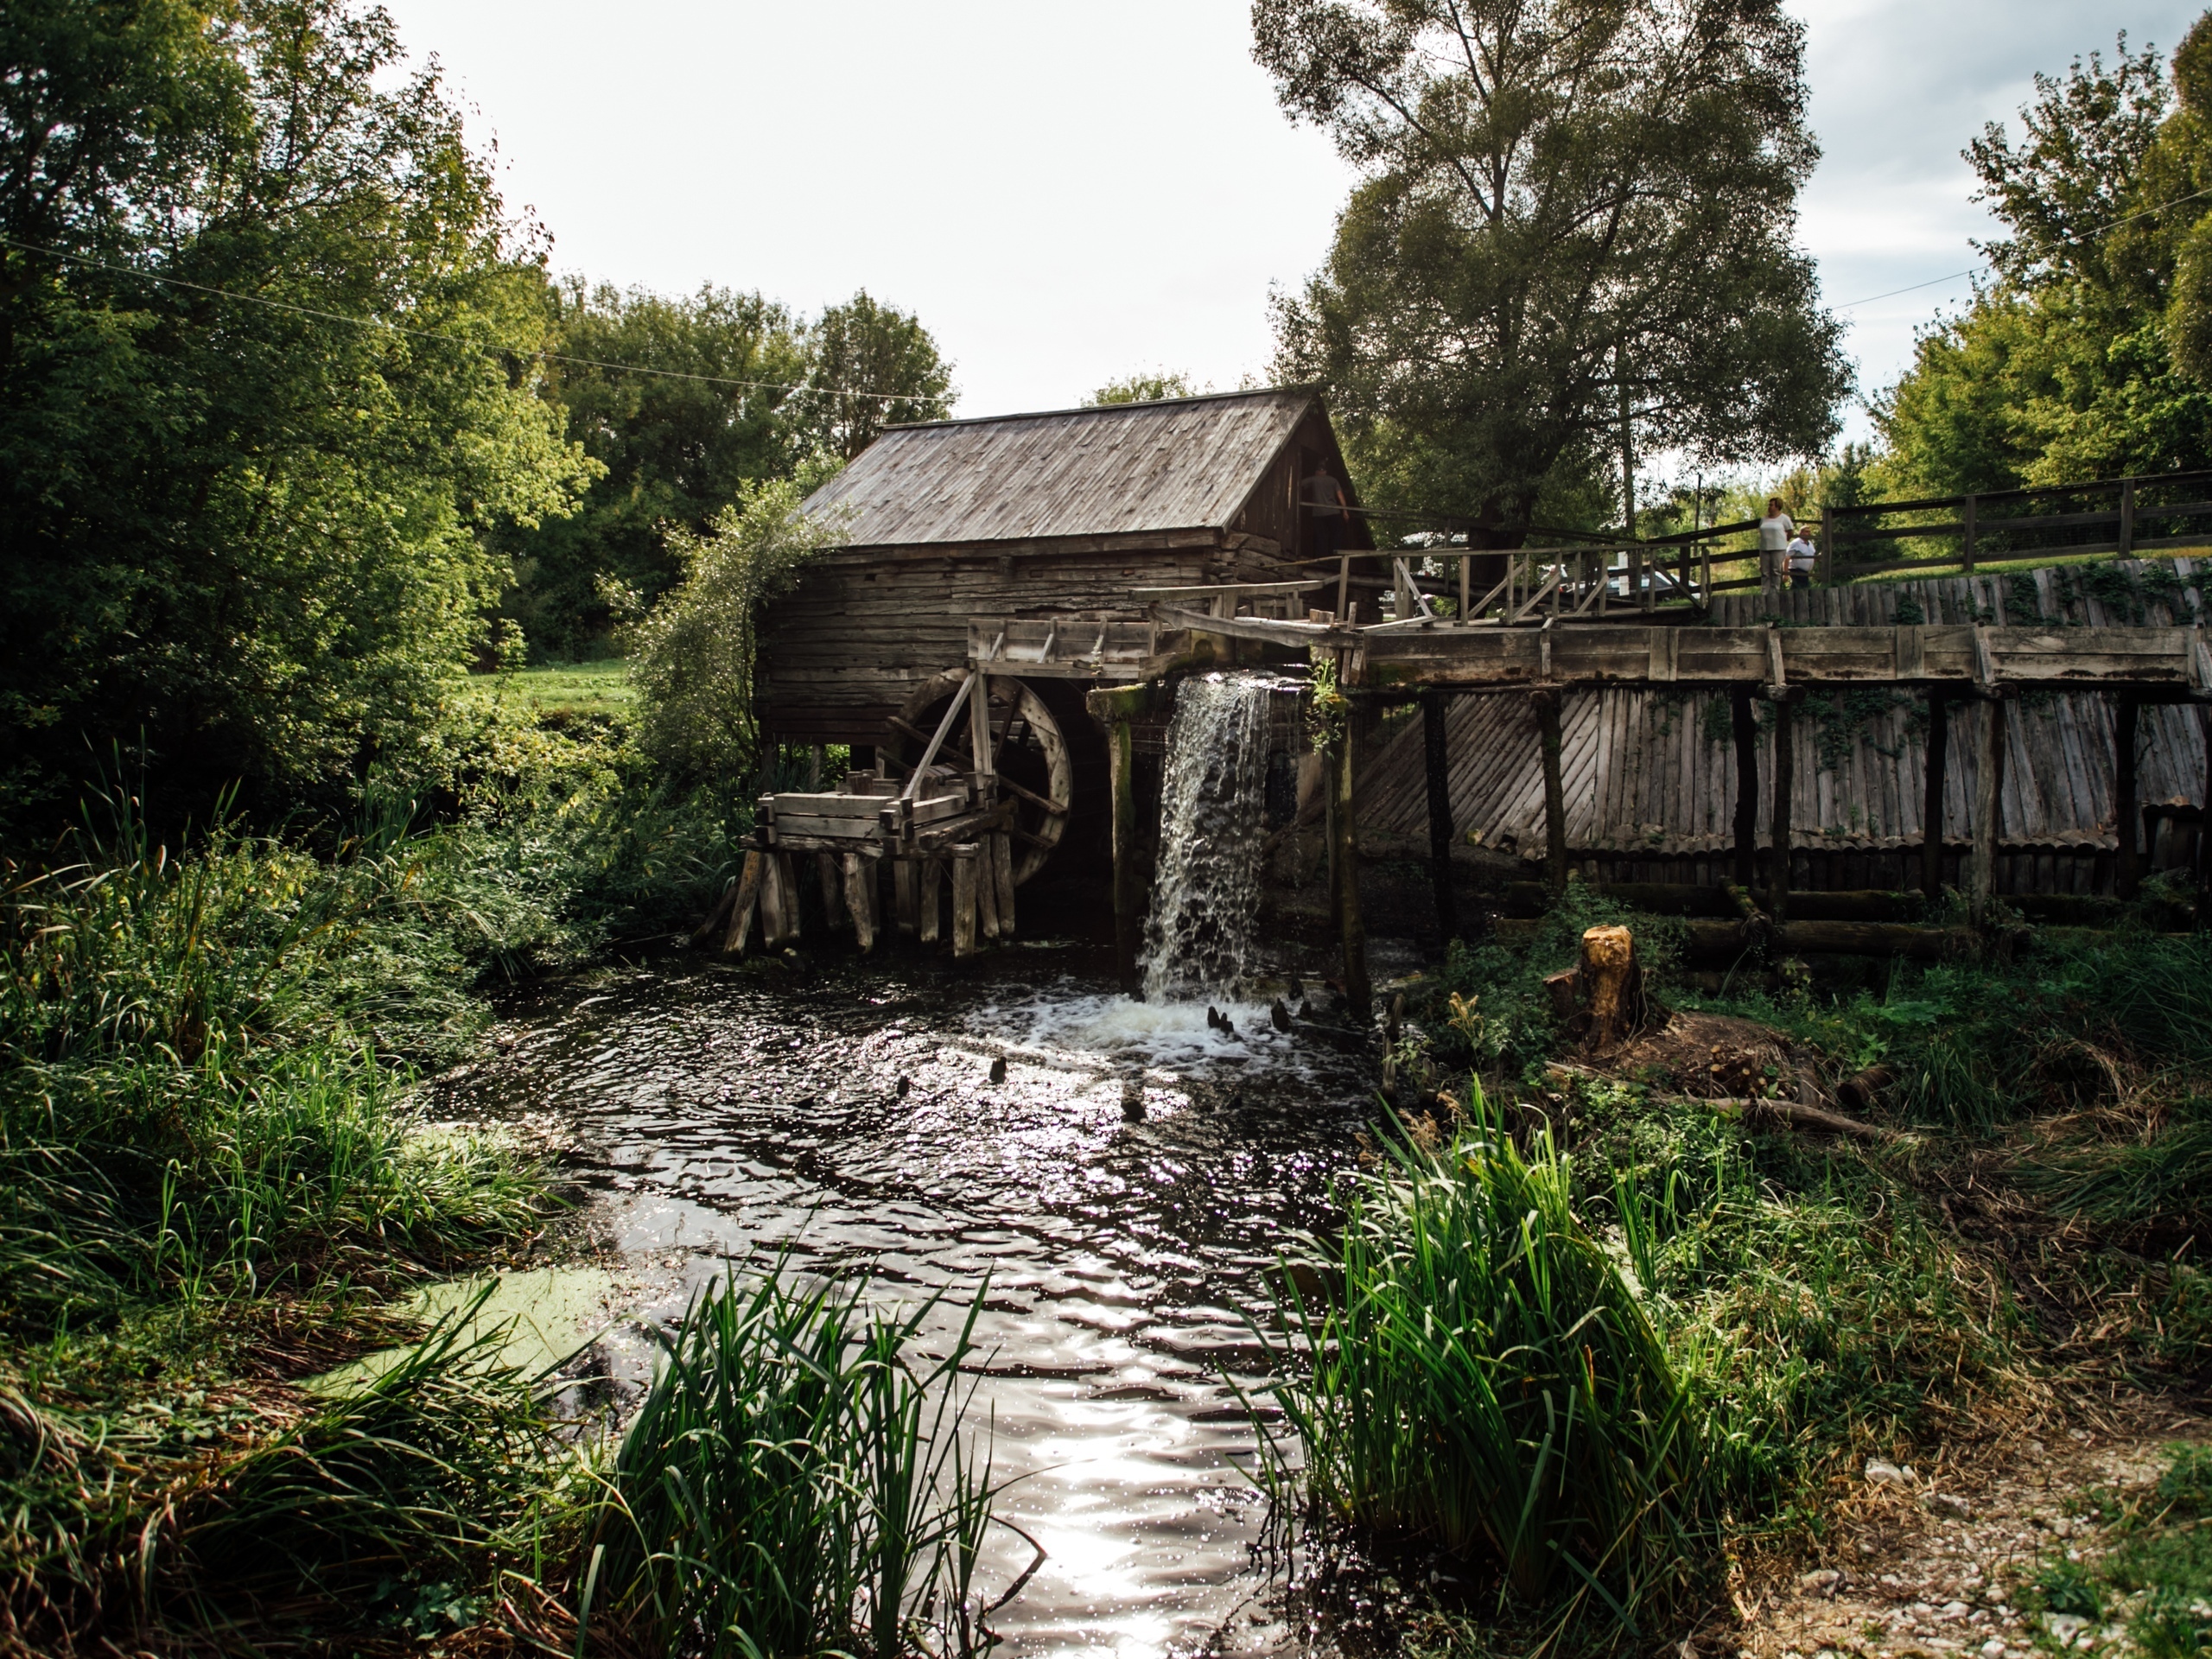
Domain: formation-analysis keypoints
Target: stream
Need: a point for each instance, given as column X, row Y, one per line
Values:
column 846, row 1114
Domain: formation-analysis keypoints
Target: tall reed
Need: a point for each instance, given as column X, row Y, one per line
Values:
column 1488, row 1381
column 797, row 1481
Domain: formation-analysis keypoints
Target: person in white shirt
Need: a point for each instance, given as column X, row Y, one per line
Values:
column 1801, row 556
column 1775, row 531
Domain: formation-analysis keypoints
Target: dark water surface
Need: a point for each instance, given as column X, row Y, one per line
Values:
column 722, row 1111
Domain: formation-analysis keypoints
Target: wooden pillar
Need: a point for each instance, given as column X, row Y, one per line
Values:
column 826, row 870
column 930, row 881
column 1967, row 534
column 2127, row 518
column 1546, row 703
column 1988, row 801
column 964, row 861
column 860, row 899
column 746, row 900
column 1343, row 871
column 905, row 906
column 1931, row 811
column 1001, row 853
column 2126, row 810
column 1128, row 882
column 1436, row 756
column 1747, row 789
column 1785, row 773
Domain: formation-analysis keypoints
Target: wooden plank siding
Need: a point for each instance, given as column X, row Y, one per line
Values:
column 1664, row 796
column 1060, row 514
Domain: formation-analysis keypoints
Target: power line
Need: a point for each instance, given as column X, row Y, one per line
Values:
column 432, row 334
column 2114, row 225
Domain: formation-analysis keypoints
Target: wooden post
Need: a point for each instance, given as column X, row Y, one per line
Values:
column 1436, row 756
column 2126, row 518
column 1968, row 530
column 1747, row 789
column 826, row 870
column 963, row 901
column 1343, row 587
column 987, row 897
column 860, row 899
column 979, row 727
column 1609, row 986
column 903, row 900
column 748, row 898
column 1002, row 851
column 1466, row 561
column 1988, row 801
column 1931, row 811
column 931, row 883
column 1128, row 884
column 1785, row 770
column 1551, row 743
column 2128, row 817
column 1343, row 869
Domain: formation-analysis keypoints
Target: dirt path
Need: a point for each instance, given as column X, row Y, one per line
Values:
column 1935, row 1563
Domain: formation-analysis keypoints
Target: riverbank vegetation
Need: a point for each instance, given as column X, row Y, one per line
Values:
column 1565, row 1271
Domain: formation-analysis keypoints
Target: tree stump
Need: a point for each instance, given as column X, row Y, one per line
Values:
column 1612, row 985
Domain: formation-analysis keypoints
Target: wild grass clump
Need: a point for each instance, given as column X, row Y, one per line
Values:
column 1489, row 1379
column 797, row 1481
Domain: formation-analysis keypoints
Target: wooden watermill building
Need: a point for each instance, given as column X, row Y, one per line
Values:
column 1067, row 526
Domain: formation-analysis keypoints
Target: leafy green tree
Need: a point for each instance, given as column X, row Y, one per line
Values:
column 1571, row 243
column 238, row 532
column 1147, row 386
column 698, row 408
column 872, row 366
column 694, row 654
column 2076, row 361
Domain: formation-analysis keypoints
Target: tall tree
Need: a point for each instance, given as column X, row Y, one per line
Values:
column 683, row 401
column 2075, row 362
column 266, row 389
column 1145, row 386
column 1572, row 236
column 874, row 366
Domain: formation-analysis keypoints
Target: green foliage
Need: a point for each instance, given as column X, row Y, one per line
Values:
column 696, row 652
column 1593, row 228
column 797, row 1481
column 2082, row 360
column 248, row 538
column 1488, row 1381
column 1146, row 386
column 677, row 445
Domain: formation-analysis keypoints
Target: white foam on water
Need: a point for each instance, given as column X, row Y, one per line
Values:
column 1205, row 893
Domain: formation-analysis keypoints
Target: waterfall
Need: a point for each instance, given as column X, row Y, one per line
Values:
column 1205, row 891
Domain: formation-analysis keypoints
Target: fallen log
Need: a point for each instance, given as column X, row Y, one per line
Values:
column 1818, row 1118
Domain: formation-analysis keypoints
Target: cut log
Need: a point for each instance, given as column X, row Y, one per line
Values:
column 1788, row 1112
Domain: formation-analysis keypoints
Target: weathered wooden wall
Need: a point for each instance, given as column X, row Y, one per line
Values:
column 1651, row 776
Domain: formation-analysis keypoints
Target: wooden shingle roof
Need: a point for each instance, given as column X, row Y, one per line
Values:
column 1188, row 463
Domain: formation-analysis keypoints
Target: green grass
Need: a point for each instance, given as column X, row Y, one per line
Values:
column 2154, row 1578
column 568, row 689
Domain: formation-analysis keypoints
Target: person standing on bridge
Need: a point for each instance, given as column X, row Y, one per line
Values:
column 1800, row 557
column 1775, row 531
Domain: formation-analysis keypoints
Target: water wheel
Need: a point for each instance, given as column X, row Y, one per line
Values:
column 1029, row 751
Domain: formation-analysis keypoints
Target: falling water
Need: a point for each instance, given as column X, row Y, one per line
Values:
column 1205, row 893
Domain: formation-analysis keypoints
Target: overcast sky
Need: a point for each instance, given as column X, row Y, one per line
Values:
column 1066, row 194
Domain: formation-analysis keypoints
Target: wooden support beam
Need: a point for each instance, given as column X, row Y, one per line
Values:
column 1988, row 802
column 1550, row 740
column 930, row 881
column 825, row 871
column 1931, row 810
column 1747, row 788
column 748, row 898
column 860, row 899
column 1343, row 868
column 1436, row 757
column 1128, row 880
column 1001, row 853
column 1778, row 850
column 2128, row 817
column 964, row 865
column 903, row 905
